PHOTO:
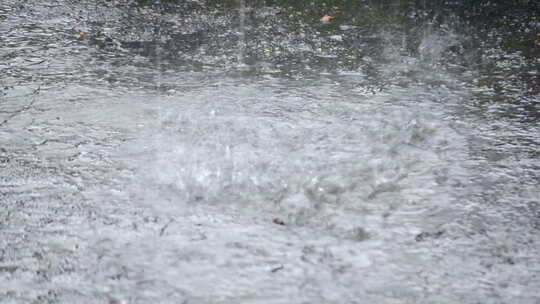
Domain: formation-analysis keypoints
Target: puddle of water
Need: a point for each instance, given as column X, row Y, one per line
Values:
column 359, row 160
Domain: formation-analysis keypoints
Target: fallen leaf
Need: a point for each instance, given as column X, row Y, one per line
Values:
column 326, row 18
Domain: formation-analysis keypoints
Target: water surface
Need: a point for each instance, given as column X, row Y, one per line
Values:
column 207, row 152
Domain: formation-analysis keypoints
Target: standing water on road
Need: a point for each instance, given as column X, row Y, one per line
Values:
column 256, row 152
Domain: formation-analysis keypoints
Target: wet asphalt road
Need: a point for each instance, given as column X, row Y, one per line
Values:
column 375, row 159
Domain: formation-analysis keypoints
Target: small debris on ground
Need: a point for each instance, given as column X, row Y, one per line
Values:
column 278, row 221
column 117, row 301
column 162, row 230
column 425, row 235
column 276, row 269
